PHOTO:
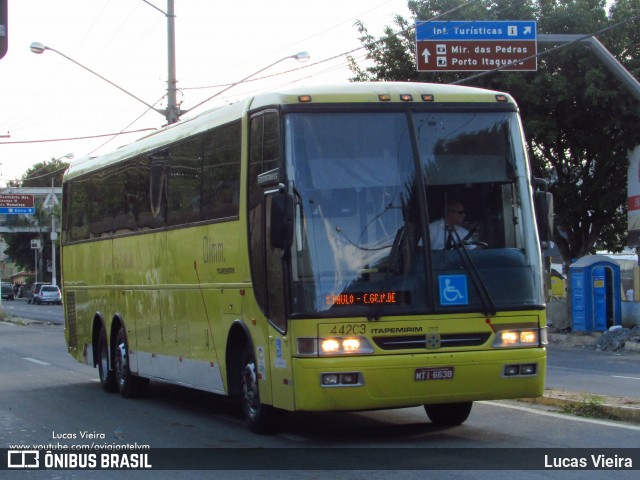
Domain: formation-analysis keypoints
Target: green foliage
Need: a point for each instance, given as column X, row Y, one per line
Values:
column 579, row 120
column 590, row 406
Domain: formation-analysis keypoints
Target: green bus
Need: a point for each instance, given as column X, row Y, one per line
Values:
column 279, row 251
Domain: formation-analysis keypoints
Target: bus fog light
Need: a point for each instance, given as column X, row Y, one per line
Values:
column 344, row 379
column 525, row 369
column 511, row 370
column 330, row 379
column 349, row 378
column 528, row 369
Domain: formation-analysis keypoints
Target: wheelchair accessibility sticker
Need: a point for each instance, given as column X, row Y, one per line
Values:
column 453, row 290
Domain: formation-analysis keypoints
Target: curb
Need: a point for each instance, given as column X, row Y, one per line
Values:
column 617, row 408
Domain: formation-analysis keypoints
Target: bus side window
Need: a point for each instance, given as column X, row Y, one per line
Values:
column 221, row 172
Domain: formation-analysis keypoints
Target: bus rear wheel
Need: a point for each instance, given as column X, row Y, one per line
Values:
column 257, row 416
column 129, row 385
column 107, row 376
column 449, row 414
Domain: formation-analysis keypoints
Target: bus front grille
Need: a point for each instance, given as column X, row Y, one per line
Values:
column 453, row 340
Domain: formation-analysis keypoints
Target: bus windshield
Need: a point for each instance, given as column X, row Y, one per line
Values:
column 366, row 241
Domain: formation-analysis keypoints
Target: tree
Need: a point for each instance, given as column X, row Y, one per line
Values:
column 580, row 122
column 19, row 244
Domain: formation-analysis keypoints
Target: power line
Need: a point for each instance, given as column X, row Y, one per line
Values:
column 76, row 138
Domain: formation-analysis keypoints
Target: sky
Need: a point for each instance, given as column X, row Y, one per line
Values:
column 49, row 97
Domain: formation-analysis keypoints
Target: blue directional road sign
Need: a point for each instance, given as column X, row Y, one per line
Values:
column 476, row 45
column 17, row 210
column 476, row 30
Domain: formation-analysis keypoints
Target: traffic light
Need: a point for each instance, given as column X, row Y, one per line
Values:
column 4, row 35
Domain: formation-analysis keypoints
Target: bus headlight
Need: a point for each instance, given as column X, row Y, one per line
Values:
column 529, row 337
column 334, row 346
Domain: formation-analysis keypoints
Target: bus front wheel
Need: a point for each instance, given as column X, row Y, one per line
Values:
column 449, row 414
column 257, row 416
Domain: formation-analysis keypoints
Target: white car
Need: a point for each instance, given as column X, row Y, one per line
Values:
column 48, row 294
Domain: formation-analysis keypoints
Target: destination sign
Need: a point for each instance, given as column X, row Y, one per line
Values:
column 476, row 46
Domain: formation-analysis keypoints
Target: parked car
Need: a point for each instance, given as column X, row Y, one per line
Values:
column 35, row 290
column 7, row 291
column 48, row 294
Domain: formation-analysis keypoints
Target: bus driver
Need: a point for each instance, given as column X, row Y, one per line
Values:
column 440, row 234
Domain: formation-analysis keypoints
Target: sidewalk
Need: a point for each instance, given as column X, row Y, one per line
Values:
column 589, row 405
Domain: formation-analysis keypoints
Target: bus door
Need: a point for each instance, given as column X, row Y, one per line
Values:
column 280, row 347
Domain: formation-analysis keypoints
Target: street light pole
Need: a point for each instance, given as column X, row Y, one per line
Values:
column 39, row 48
column 173, row 111
column 300, row 56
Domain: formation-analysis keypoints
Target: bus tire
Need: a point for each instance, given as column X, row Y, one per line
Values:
column 129, row 385
column 106, row 374
column 257, row 416
column 448, row 414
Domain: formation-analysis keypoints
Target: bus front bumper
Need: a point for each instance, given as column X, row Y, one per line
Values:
column 395, row 381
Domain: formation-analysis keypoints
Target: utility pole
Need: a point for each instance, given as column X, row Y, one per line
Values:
column 173, row 109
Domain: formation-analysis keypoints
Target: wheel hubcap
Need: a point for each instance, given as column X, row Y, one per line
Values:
column 250, row 389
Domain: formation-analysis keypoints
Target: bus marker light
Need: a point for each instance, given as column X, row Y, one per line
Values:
column 426, row 97
column 384, row 98
column 304, row 98
column 406, row 97
column 501, row 98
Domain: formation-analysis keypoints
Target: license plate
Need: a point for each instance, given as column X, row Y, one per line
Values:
column 434, row 373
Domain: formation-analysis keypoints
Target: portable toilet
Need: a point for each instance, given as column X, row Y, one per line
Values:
column 596, row 300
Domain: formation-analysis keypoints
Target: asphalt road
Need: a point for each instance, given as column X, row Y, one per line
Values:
column 596, row 372
column 19, row 308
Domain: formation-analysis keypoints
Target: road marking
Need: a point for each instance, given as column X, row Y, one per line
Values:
column 628, row 378
column 39, row 362
column 562, row 416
